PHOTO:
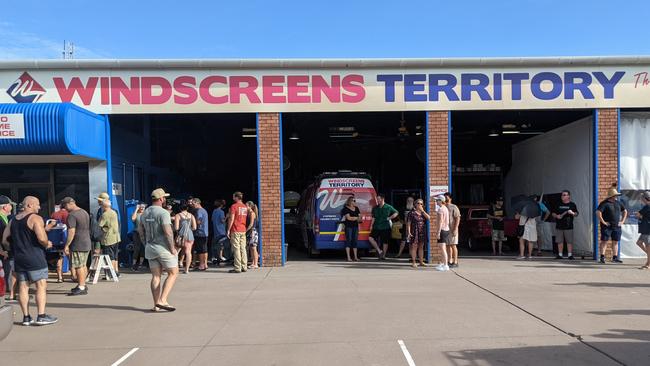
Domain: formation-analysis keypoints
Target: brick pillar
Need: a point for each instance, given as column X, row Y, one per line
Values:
column 607, row 156
column 438, row 146
column 268, row 155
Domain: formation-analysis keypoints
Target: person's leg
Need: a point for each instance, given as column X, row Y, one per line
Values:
column 413, row 251
column 494, row 247
column 402, row 244
column 559, row 240
column 615, row 249
column 385, row 248
column 242, row 248
column 23, row 295
column 237, row 253
column 187, row 248
column 347, row 252
column 13, row 289
column 156, row 272
column 256, row 256
column 172, row 274
column 444, row 258
column 521, row 247
column 41, row 295
column 373, row 243
column 420, row 249
column 455, row 251
column 59, row 269
column 500, row 247
column 531, row 245
column 82, row 273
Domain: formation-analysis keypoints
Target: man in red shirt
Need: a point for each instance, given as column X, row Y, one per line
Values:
column 236, row 232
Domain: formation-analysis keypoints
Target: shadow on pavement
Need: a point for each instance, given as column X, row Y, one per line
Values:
column 98, row 306
column 622, row 312
column 605, row 284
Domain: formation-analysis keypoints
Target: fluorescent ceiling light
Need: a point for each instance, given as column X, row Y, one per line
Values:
column 247, row 136
column 294, row 136
column 493, row 134
column 515, row 132
column 418, row 134
column 346, row 135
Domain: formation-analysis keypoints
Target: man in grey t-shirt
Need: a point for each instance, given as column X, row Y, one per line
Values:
column 155, row 229
column 78, row 245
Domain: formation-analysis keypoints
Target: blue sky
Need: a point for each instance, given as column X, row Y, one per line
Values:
column 323, row 29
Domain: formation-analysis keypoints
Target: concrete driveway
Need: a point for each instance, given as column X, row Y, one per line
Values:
column 487, row 312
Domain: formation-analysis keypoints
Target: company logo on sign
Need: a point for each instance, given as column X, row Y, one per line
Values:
column 26, row 90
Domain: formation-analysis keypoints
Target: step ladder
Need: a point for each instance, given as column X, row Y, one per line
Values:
column 101, row 263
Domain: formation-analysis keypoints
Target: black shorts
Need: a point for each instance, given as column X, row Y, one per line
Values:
column 608, row 233
column 200, row 244
column 112, row 251
column 445, row 238
column 381, row 236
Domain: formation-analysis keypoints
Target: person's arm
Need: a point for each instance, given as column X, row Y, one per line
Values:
column 231, row 220
column 394, row 215
column 71, row 232
column 575, row 210
column 439, row 225
column 426, row 215
column 408, row 226
column 599, row 215
column 456, row 224
column 141, row 230
column 134, row 216
column 624, row 216
column 38, row 226
column 5, row 236
column 177, row 222
column 252, row 220
column 194, row 224
column 169, row 234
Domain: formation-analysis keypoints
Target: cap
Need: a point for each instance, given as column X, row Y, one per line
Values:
column 440, row 197
column 612, row 192
column 4, row 200
column 646, row 195
column 499, row 198
column 67, row 200
column 103, row 196
column 159, row 193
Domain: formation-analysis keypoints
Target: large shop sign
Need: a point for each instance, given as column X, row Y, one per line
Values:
column 12, row 126
column 293, row 90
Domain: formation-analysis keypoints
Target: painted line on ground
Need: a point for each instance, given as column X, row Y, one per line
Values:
column 116, row 363
column 406, row 353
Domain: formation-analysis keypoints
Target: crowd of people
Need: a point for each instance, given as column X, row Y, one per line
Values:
column 163, row 239
column 170, row 239
column 411, row 229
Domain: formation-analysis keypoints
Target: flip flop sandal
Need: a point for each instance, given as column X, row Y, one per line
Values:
column 166, row 307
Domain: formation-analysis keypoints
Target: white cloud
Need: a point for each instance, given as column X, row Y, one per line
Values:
column 22, row 45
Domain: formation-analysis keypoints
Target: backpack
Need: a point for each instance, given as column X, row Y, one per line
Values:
column 96, row 232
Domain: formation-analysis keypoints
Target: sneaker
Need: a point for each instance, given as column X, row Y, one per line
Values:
column 559, row 257
column 602, row 259
column 616, row 260
column 521, row 258
column 453, row 265
column 571, row 258
column 27, row 320
column 442, row 268
column 46, row 319
column 222, row 259
column 234, row 271
column 77, row 291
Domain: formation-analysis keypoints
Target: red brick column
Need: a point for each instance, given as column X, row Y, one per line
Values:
column 438, row 147
column 607, row 155
column 268, row 132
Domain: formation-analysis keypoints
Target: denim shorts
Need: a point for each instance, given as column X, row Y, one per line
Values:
column 32, row 276
column 608, row 233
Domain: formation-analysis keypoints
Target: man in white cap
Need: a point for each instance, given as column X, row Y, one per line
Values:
column 443, row 232
column 155, row 230
column 612, row 214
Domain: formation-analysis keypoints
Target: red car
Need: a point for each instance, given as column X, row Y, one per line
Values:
column 476, row 229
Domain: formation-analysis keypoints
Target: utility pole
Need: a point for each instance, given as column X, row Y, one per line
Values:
column 68, row 50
